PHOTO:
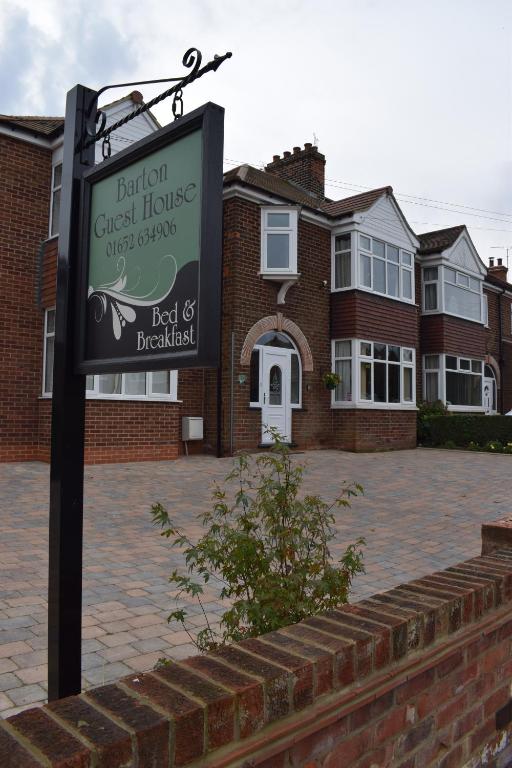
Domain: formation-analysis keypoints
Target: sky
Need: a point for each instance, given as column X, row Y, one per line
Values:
column 412, row 94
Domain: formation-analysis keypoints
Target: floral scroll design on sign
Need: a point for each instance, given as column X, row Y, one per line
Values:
column 125, row 293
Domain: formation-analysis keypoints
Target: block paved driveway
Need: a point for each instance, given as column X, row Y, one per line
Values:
column 421, row 511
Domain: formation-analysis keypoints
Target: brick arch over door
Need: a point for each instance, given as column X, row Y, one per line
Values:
column 277, row 323
column 490, row 360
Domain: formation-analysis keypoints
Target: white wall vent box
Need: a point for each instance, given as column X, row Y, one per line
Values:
column 191, row 428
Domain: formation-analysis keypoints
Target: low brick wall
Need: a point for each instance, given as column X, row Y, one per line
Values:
column 416, row 677
column 373, row 430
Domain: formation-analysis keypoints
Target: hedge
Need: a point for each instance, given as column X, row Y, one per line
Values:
column 463, row 429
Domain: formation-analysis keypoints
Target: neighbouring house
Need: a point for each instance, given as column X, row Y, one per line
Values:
column 310, row 286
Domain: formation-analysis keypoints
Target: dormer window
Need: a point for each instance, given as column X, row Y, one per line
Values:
column 55, row 199
column 278, row 241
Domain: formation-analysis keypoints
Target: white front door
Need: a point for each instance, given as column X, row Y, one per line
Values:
column 276, row 411
column 489, row 395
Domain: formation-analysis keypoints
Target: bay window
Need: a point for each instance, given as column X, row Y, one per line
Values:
column 278, row 240
column 342, row 261
column 457, row 381
column 55, row 199
column 385, row 268
column 454, row 292
column 373, row 374
column 151, row 385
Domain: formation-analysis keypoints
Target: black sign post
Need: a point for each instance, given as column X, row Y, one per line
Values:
column 68, row 418
column 138, row 288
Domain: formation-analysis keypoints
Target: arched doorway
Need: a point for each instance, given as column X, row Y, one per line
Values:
column 489, row 395
column 275, row 383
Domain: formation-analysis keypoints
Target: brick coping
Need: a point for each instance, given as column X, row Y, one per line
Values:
column 224, row 706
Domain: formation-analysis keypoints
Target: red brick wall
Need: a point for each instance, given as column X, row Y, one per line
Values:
column 503, row 356
column 248, row 298
column 363, row 315
column 305, row 167
column 25, row 172
column 443, row 333
column 416, row 677
column 373, row 430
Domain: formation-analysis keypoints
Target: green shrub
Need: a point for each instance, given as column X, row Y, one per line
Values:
column 507, row 448
column 425, row 413
column 268, row 548
column 464, row 429
column 493, row 446
column 449, row 444
column 472, row 446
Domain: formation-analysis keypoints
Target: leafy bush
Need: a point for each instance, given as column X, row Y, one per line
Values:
column 449, row 444
column 425, row 413
column 493, row 446
column 465, row 429
column 268, row 547
column 507, row 448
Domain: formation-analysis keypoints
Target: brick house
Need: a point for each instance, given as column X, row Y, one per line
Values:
column 310, row 286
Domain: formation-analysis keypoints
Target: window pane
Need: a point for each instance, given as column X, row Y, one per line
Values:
column 89, row 383
column 378, row 248
column 394, row 354
column 50, row 321
column 275, row 339
column 278, row 219
column 392, row 253
column 474, row 284
column 55, row 212
column 393, row 383
column 343, row 349
column 379, row 351
column 449, row 274
column 57, row 175
column 407, row 396
column 379, row 385
column 379, row 275
column 109, row 383
column 430, row 273
column 392, row 279
column 275, row 388
column 463, row 389
column 48, row 371
column 431, row 387
column 431, row 296
column 295, row 380
column 342, row 243
column 462, row 279
column 366, row 271
column 254, row 377
column 407, row 355
column 366, row 349
column 366, row 381
column 406, row 283
column 451, row 362
column 432, row 361
column 278, row 251
column 342, row 276
column 462, row 302
column 364, row 242
column 135, row 383
column 476, row 366
column 160, row 382
column 343, row 391
column 465, row 365
column 407, row 259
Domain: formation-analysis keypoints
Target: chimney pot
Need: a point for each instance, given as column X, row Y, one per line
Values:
column 500, row 262
column 275, row 158
column 287, row 154
column 308, row 145
column 491, row 262
column 296, row 150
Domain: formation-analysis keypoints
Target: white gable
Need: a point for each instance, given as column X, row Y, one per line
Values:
column 463, row 254
column 385, row 222
column 136, row 129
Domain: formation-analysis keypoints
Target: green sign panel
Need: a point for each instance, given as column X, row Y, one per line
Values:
column 146, row 238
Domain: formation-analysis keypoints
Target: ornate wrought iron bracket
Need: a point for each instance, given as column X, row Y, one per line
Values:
column 95, row 126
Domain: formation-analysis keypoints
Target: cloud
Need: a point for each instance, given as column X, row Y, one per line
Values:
column 17, row 54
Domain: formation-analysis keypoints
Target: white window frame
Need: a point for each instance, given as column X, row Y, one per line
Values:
column 485, row 309
column 442, row 370
column 353, row 236
column 291, row 230
column 404, row 254
column 47, row 335
column 440, row 282
column 94, row 393
column 357, row 359
column 54, row 189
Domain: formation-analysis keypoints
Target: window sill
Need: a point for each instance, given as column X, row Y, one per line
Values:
column 373, row 406
column 124, row 399
column 279, row 275
column 430, row 312
column 466, row 408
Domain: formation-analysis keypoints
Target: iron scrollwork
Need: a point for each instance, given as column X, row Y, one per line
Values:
column 96, row 127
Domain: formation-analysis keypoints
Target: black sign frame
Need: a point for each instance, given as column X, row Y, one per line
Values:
column 209, row 118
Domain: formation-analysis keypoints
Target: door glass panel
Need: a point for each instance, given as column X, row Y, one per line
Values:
column 275, row 386
column 295, row 380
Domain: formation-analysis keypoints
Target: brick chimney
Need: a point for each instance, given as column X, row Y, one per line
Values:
column 305, row 167
column 498, row 270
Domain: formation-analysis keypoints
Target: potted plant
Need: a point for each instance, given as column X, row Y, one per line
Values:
column 331, row 380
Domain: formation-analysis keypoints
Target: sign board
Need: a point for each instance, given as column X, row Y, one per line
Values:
column 151, row 249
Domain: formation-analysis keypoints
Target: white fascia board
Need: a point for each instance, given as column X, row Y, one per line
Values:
column 411, row 235
column 464, row 235
column 254, row 196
